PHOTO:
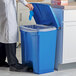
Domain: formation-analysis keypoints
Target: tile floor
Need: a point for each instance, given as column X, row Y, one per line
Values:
column 64, row 72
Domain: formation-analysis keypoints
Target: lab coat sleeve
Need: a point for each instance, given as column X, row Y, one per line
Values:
column 24, row 2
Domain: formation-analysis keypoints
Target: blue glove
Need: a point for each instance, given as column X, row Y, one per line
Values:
column 31, row 15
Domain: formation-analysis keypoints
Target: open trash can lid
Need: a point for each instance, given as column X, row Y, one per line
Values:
column 43, row 14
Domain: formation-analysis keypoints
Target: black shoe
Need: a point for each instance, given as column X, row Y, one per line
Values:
column 4, row 64
column 18, row 68
column 29, row 67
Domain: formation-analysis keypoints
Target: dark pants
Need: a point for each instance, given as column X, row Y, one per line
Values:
column 2, row 53
column 9, row 51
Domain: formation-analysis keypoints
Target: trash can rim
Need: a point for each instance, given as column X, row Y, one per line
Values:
column 50, row 28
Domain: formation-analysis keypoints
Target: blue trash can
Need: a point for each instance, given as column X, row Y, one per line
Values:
column 38, row 41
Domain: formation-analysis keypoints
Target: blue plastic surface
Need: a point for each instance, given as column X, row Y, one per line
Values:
column 43, row 14
column 31, row 15
column 44, row 45
column 39, row 47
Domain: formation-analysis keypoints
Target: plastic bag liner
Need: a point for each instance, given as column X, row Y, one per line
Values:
column 37, row 28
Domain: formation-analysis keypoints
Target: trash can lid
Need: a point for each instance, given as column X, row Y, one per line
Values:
column 43, row 14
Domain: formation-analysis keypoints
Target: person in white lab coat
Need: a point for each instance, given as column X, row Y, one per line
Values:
column 9, row 34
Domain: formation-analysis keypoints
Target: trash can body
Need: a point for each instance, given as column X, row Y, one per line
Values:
column 38, row 47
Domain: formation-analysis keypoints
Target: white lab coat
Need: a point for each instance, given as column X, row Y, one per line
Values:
column 8, row 22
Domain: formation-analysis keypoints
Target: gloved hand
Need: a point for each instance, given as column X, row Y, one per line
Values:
column 31, row 15
column 30, row 6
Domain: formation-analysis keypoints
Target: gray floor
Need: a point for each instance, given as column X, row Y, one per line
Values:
column 6, row 72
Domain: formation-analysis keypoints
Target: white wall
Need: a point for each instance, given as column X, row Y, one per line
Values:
column 71, row 0
column 47, row 1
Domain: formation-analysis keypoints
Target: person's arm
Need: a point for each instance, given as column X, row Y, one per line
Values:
column 30, row 6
